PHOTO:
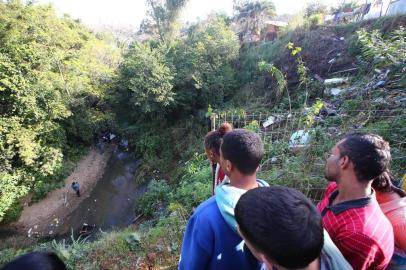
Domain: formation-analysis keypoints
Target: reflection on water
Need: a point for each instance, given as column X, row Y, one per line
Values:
column 111, row 202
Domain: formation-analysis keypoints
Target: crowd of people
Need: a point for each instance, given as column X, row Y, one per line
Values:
column 360, row 223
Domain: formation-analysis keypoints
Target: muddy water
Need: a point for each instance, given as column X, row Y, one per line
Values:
column 111, row 202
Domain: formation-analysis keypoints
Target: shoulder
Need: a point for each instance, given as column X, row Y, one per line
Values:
column 324, row 201
column 207, row 210
column 330, row 188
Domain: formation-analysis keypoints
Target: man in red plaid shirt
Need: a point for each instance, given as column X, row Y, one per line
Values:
column 350, row 212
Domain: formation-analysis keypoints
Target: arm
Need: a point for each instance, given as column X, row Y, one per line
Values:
column 197, row 246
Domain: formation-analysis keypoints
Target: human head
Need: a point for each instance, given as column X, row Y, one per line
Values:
column 366, row 155
column 36, row 261
column 280, row 226
column 243, row 150
column 212, row 142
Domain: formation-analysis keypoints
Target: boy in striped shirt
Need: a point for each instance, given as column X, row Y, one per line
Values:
column 350, row 212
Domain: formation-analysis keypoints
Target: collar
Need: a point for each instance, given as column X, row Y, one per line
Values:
column 343, row 206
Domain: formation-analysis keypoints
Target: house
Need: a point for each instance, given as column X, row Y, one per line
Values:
column 270, row 30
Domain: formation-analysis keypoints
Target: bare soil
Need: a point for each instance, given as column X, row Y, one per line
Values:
column 44, row 217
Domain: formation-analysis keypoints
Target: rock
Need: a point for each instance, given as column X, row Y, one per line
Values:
column 332, row 130
column 326, row 111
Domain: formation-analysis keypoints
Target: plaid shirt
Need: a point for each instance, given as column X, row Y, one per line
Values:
column 359, row 229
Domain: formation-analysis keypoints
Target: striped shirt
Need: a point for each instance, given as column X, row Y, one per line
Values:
column 395, row 211
column 359, row 229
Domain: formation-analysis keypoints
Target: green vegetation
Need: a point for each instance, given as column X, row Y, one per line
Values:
column 53, row 79
column 60, row 83
column 163, row 91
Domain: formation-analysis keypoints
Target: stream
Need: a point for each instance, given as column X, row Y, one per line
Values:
column 111, row 203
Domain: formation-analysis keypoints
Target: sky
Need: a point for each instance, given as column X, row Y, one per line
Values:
column 129, row 13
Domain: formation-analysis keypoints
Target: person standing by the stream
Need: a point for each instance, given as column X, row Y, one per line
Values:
column 76, row 187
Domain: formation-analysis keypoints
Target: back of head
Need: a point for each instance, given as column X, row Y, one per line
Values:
column 36, row 261
column 213, row 139
column 282, row 224
column 369, row 153
column 244, row 149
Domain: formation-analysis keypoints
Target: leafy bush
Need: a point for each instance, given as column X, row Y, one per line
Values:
column 195, row 183
column 146, row 80
column 49, row 67
column 383, row 52
column 154, row 198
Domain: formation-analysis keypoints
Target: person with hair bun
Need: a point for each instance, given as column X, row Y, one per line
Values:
column 392, row 201
column 212, row 143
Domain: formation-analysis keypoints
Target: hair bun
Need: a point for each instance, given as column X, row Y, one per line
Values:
column 224, row 128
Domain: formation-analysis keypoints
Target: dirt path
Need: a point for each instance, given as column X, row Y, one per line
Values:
column 44, row 217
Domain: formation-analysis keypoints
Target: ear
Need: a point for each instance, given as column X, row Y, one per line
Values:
column 229, row 165
column 344, row 162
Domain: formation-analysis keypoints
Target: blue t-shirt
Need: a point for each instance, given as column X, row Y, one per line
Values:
column 210, row 243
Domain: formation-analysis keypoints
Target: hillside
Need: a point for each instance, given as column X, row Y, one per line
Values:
column 321, row 81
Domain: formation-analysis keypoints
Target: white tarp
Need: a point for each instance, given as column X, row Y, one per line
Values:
column 398, row 7
column 386, row 7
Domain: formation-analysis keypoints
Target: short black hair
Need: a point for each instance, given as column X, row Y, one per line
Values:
column 281, row 223
column 244, row 149
column 36, row 261
column 369, row 153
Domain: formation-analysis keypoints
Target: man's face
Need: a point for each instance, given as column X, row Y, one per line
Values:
column 332, row 168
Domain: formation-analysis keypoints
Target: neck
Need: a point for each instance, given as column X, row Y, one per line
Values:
column 246, row 182
column 350, row 188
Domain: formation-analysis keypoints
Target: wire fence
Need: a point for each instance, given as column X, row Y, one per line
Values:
column 295, row 143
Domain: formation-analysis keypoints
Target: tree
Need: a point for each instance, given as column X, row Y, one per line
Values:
column 315, row 7
column 162, row 18
column 146, row 80
column 53, row 76
column 251, row 15
column 204, row 65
